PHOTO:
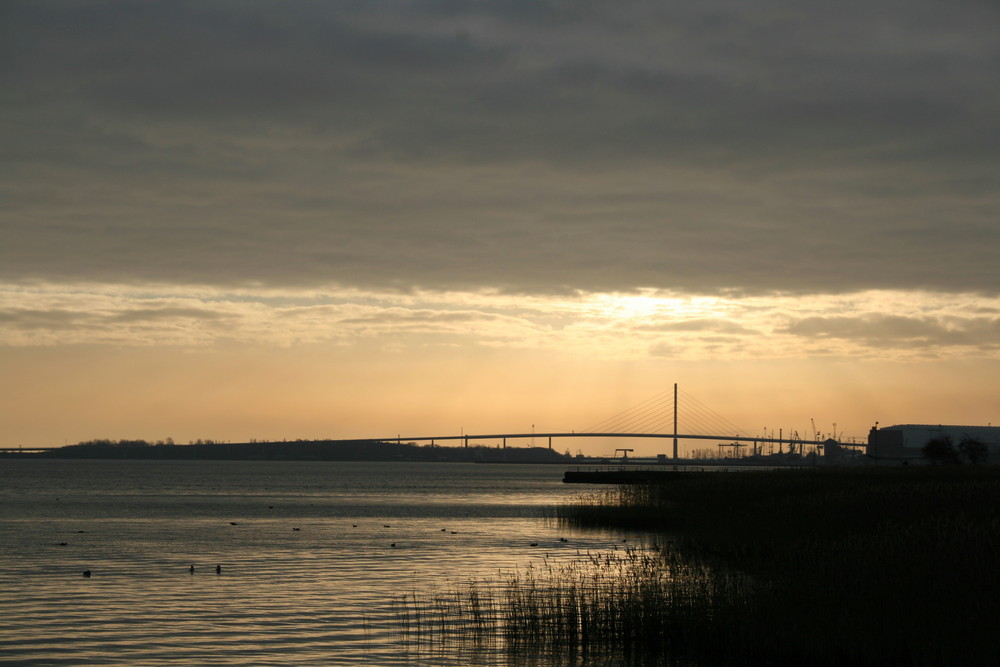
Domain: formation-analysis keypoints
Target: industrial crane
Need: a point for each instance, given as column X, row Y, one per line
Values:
column 624, row 454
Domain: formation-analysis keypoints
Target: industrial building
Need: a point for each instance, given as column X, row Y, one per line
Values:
column 904, row 442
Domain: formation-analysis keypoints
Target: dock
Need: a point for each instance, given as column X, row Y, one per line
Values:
column 627, row 475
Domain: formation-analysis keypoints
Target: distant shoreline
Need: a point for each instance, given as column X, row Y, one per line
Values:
column 316, row 450
column 377, row 451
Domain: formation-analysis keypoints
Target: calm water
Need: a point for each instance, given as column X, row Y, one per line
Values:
column 309, row 571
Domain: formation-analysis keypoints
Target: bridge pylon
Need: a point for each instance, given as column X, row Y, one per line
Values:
column 675, row 421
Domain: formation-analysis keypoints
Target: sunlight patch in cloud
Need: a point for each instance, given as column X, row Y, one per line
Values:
column 874, row 324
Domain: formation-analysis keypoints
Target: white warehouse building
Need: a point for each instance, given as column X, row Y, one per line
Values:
column 905, row 442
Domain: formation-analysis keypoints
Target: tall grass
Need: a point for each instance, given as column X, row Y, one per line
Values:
column 643, row 608
column 821, row 567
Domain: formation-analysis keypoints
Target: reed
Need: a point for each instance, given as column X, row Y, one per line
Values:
column 818, row 567
column 648, row 607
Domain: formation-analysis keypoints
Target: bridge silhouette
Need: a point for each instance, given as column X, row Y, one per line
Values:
column 658, row 417
column 648, row 420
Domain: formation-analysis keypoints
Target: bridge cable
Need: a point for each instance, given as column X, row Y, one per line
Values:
column 612, row 423
column 655, row 415
column 720, row 423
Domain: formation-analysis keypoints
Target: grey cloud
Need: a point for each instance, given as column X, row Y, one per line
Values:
column 530, row 146
column 148, row 315
column 721, row 78
column 699, row 325
column 63, row 319
column 891, row 331
column 896, row 327
column 30, row 319
column 418, row 317
column 664, row 350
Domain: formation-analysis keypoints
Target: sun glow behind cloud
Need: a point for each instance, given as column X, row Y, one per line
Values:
column 648, row 323
column 161, row 360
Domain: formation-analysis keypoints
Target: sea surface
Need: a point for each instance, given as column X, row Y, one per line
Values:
column 314, row 558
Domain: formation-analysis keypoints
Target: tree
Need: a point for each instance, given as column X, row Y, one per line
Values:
column 974, row 450
column 941, row 451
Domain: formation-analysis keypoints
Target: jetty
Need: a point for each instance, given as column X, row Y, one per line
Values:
column 656, row 475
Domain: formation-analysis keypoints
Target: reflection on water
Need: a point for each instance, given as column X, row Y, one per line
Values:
column 315, row 557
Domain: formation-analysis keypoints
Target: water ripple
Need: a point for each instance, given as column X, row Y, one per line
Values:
column 324, row 594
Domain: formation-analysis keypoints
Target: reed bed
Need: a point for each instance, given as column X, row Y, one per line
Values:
column 640, row 607
column 824, row 567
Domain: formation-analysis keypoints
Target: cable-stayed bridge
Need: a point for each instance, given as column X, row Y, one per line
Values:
column 672, row 415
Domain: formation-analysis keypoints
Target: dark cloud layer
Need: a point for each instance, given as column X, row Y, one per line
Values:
column 899, row 331
column 529, row 146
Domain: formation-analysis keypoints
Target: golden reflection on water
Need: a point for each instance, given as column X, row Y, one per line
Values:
column 324, row 594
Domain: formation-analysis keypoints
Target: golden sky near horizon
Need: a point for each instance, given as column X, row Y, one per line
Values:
column 327, row 220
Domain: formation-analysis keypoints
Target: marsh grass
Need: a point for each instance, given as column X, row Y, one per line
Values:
column 599, row 609
column 824, row 567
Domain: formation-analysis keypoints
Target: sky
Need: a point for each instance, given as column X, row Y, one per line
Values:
column 300, row 219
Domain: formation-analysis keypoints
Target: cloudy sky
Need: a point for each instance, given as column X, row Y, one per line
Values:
column 305, row 219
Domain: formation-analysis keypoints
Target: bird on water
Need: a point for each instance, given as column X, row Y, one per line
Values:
column 218, row 569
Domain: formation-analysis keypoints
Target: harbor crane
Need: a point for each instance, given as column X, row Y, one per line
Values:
column 624, row 454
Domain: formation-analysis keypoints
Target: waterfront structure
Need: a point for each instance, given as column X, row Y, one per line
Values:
column 904, row 443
